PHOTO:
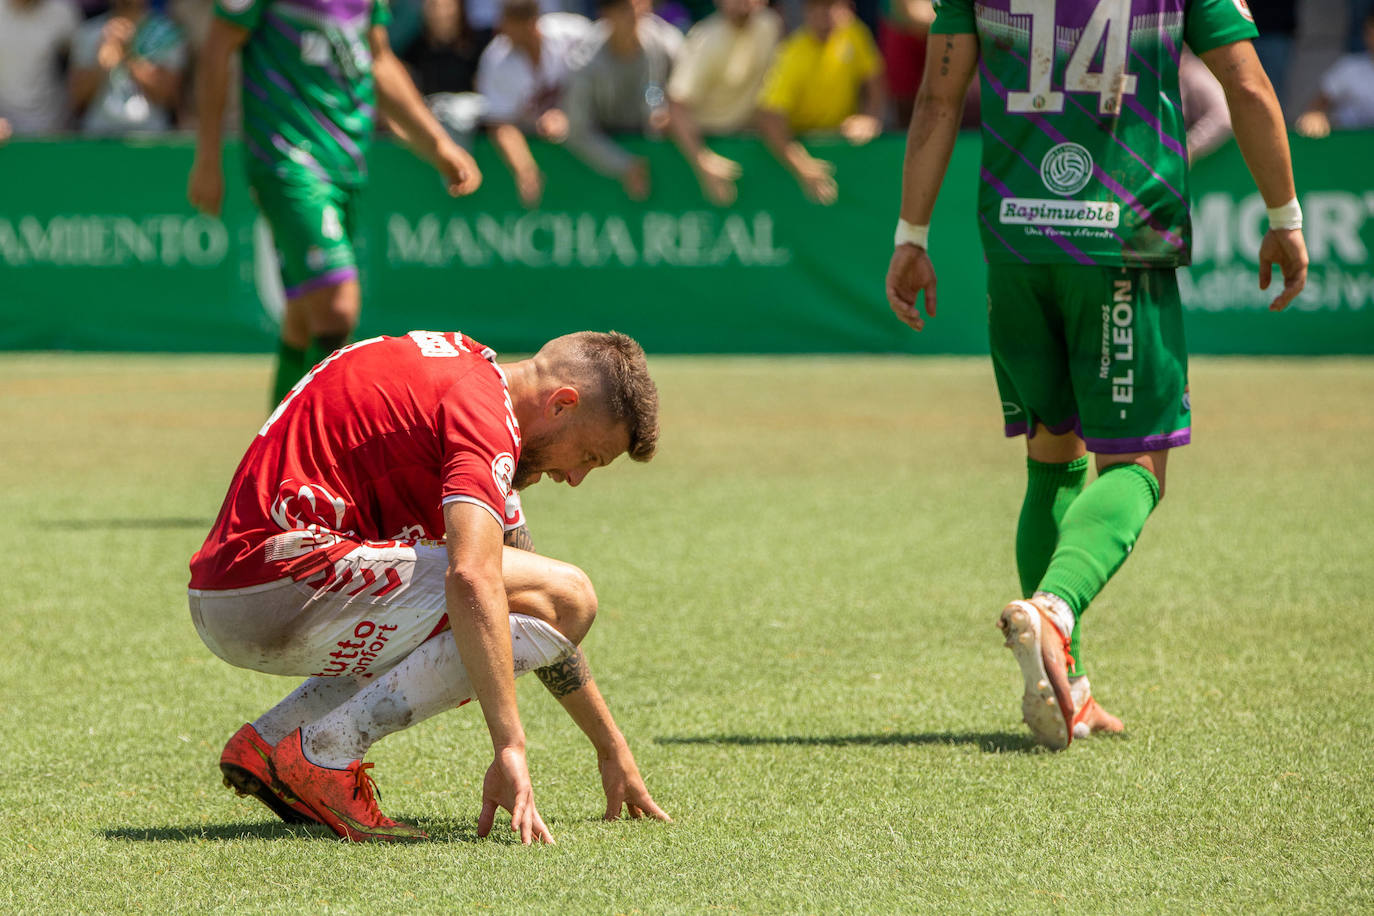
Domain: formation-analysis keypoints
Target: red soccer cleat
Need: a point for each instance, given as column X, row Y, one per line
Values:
column 344, row 799
column 246, row 771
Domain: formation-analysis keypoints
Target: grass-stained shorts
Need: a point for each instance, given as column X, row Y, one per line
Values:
column 313, row 225
column 1094, row 350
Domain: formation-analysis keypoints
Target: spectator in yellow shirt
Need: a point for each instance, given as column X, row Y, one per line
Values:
column 818, row 81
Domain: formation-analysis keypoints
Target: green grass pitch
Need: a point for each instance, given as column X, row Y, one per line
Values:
column 796, row 634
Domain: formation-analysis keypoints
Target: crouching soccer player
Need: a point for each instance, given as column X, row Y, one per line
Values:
column 361, row 546
column 1083, row 206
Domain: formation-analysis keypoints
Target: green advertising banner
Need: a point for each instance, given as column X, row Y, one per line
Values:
column 99, row 251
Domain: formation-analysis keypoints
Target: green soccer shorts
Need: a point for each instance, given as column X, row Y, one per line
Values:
column 313, row 224
column 1091, row 349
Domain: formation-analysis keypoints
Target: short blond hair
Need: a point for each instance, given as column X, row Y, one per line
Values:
column 613, row 365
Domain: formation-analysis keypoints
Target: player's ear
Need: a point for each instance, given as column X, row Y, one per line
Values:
column 563, row 399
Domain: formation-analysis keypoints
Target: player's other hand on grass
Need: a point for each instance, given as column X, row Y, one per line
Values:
column 459, row 170
column 205, row 187
column 1286, row 248
column 507, row 785
column 624, row 788
column 910, row 273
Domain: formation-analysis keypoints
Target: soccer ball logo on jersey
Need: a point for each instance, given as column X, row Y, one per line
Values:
column 502, row 470
column 1066, row 169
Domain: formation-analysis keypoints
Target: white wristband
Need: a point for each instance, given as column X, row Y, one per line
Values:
column 1289, row 216
column 907, row 234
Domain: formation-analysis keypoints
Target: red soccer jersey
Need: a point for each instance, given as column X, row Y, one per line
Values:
column 368, row 446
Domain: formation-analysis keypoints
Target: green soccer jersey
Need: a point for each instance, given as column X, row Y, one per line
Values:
column 308, row 99
column 1084, row 159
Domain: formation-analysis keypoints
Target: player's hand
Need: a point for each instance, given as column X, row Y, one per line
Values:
column 507, row 785
column 458, row 169
column 910, row 273
column 1286, row 248
column 114, row 42
column 817, row 179
column 205, row 187
column 624, row 788
column 5, row 130
column 858, row 129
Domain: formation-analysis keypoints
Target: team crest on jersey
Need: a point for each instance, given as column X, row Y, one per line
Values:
column 1066, row 169
column 308, row 505
column 1244, row 9
column 502, row 470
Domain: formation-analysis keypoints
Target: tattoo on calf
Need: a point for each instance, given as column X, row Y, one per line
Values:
column 567, row 676
column 520, row 539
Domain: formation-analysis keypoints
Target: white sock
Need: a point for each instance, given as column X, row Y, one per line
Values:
column 426, row 682
column 305, row 704
column 1060, row 612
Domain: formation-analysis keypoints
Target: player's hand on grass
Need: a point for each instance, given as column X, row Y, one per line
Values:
column 458, row 169
column 1286, row 248
column 507, row 785
column 624, row 788
column 205, row 187
column 910, row 273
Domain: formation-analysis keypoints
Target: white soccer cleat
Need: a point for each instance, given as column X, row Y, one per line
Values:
column 1041, row 650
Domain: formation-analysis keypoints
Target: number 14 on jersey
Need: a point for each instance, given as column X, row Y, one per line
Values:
column 1110, row 23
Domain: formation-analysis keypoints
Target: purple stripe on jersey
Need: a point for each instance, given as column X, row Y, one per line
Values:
column 341, row 11
column 1129, row 199
column 328, row 278
column 281, row 25
column 1140, row 443
column 330, row 127
column 1135, row 106
column 256, row 90
column 258, row 152
column 301, row 157
column 283, row 84
column 1012, row 430
column 1069, row 248
column 992, row 230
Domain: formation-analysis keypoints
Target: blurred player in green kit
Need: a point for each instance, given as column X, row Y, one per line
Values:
column 1083, row 209
column 315, row 74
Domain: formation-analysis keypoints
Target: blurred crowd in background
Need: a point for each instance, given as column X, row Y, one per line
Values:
column 582, row 72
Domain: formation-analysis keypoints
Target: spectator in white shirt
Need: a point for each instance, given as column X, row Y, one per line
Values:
column 1346, row 100
column 127, row 67
column 522, row 74
column 34, row 36
column 714, row 84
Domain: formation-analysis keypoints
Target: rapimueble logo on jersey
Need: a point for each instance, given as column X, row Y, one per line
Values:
column 1065, row 170
column 503, row 471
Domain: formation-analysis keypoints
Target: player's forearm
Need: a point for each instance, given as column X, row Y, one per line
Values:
column 1256, row 119
column 935, row 124
column 400, row 101
column 212, row 90
column 570, row 681
column 480, row 620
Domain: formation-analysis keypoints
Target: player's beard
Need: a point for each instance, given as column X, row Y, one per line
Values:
column 530, row 466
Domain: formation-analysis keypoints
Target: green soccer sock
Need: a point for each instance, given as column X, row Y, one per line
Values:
column 291, row 366
column 1097, row 534
column 1050, row 490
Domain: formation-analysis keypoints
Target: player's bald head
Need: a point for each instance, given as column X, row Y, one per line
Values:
column 611, row 374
